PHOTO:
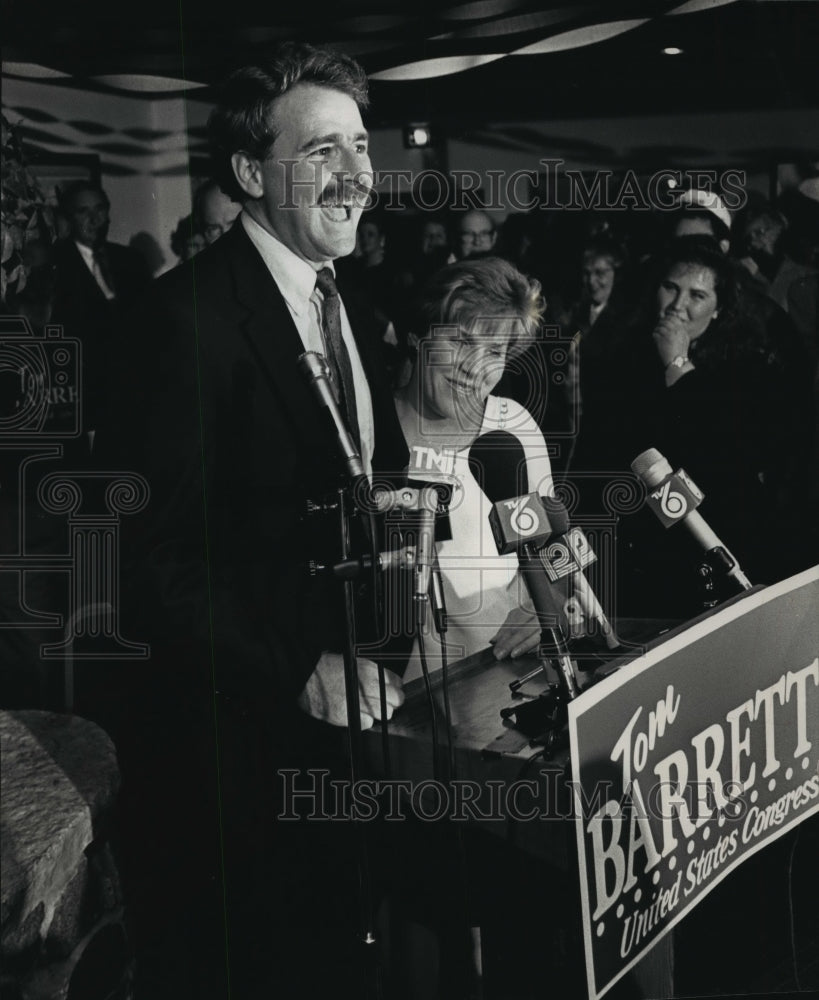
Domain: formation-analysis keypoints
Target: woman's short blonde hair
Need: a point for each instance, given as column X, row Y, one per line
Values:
column 489, row 288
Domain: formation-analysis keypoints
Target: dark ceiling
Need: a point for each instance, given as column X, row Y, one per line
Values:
column 746, row 55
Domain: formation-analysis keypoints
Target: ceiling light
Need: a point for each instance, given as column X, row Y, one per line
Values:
column 672, row 50
column 417, row 136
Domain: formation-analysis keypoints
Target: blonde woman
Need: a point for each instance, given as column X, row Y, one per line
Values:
column 471, row 320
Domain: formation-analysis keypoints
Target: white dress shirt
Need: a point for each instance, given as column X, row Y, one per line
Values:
column 87, row 255
column 296, row 279
column 594, row 312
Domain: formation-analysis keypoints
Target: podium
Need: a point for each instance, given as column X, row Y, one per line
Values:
column 722, row 712
column 496, row 771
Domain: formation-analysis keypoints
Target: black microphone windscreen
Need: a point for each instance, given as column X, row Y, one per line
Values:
column 498, row 463
column 557, row 514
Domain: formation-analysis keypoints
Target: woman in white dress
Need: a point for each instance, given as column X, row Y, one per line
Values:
column 473, row 318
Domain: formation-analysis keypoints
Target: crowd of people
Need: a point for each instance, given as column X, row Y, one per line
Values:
column 699, row 339
column 625, row 356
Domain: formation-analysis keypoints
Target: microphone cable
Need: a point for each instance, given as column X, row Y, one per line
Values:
column 378, row 605
column 442, row 625
column 464, row 881
column 385, row 725
column 447, row 715
column 433, row 714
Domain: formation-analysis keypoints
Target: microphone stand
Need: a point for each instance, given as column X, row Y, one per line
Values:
column 544, row 718
column 437, row 602
column 313, row 367
column 354, row 741
column 538, row 588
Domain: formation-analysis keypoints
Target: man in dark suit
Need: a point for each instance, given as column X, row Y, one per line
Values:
column 91, row 278
column 246, row 643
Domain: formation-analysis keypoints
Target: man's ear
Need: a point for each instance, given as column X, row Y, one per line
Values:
column 725, row 246
column 412, row 340
column 494, row 239
column 248, row 173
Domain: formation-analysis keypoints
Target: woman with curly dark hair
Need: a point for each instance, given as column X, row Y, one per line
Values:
column 717, row 397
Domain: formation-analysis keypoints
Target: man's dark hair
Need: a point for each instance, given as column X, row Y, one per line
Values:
column 67, row 195
column 241, row 119
column 718, row 228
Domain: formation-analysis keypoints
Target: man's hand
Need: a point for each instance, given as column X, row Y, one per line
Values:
column 324, row 695
column 519, row 634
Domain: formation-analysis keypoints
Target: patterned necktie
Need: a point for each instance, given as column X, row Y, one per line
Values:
column 337, row 356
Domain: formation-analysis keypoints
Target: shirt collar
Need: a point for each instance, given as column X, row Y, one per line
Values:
column 295, row 277
column 87, row 252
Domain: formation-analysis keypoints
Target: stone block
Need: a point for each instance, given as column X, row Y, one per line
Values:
column 72, row 915
column 20, row 939
column 60, row 779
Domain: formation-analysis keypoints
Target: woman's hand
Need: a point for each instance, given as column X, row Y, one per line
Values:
column 519, row 634
column 671, row 338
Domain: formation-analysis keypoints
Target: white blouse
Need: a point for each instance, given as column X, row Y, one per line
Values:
column 480, row 586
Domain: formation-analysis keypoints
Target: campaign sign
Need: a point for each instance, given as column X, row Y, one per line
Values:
column 688, row 760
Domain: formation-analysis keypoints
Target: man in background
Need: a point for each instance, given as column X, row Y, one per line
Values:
column 92, row 278
column 475, row 235
column 214, row 211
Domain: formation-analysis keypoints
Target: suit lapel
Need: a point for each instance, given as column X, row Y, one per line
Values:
column 83, row 276
column 268, row 327
column 266, row 323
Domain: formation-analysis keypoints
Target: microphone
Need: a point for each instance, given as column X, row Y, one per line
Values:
column 498, row 463
column 438, row 599
column 520, row 523
column 430, row 467
column 435, row 468
column 313, row 367
column 674, row 498
column 567, row 556
column 351, row 569
column 424, row 502
column 425, row 549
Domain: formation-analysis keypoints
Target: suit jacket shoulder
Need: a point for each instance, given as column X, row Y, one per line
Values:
column 233, row 443
column 227, row 295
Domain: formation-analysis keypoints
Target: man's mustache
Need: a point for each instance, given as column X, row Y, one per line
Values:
column 351, row 192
